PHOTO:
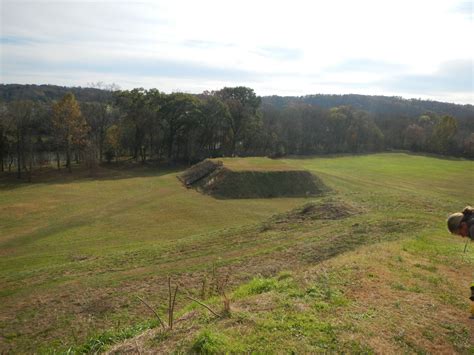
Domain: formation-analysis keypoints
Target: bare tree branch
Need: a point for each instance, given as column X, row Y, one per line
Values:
column 156, row 314
column 172, row 306
column 204, row 305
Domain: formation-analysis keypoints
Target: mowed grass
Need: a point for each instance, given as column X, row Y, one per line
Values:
column 74, row 252
column 47, row 225
column 258, row 164
column 59, row 237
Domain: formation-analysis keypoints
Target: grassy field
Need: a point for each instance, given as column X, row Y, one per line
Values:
column 76, row 251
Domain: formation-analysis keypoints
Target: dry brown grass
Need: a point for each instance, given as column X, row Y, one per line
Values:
column 386, row 318
column 394, row 304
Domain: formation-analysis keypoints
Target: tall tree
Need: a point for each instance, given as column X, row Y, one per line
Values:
column 134, row 105
column 443, row 135
column 468, row 146
column 71, row 127
column 179, row 112
column 21, row 112
column 414, row 137
column 212, row 125
column 4, row 127
column 243, row 104
column 112, row 142
column 155, row 102
column 99, row 116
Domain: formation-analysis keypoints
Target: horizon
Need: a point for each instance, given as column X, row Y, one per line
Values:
column 394, row 49
column 118, row 88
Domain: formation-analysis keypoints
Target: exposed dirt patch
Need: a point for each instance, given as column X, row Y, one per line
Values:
column 313, row 211
column 97, row 306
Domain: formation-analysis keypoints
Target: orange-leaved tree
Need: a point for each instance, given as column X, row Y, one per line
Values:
column 70, row 126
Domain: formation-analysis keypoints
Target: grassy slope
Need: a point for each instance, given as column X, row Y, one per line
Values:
column 398, row 297
column 407, row 295
column 85, row 263
column 74, row 243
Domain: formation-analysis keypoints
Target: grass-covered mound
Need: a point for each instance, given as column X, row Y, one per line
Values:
column 216, row 179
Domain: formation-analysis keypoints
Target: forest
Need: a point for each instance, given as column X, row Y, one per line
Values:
column 46, row 125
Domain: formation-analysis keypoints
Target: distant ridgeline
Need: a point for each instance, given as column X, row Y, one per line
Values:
column 46, row 125
column 371, row 103
column 377, row 105
column 46, row 93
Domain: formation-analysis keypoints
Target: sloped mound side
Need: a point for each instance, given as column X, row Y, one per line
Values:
column 225, row 183
column 252, row 184
column 197, row 172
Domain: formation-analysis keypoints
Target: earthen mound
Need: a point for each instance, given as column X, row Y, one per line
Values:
column 215, row 179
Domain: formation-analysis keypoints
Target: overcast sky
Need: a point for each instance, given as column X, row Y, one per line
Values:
column 409, row 48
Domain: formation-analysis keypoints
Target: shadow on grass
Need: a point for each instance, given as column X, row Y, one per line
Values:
column 126, row 170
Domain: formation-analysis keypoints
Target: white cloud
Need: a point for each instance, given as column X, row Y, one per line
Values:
column 290, row 46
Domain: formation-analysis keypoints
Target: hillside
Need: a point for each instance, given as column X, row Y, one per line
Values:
column 47, row 93
column 387, row 298
column 375, row 104
column 368, row 267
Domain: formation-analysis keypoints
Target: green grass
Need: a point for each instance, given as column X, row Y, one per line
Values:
column 75, row 252
column 338, row 307
column 209, row 342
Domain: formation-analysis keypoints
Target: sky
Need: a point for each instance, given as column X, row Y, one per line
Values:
column 409, row 48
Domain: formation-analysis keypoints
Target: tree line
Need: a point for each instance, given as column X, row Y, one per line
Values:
column 152, row 126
